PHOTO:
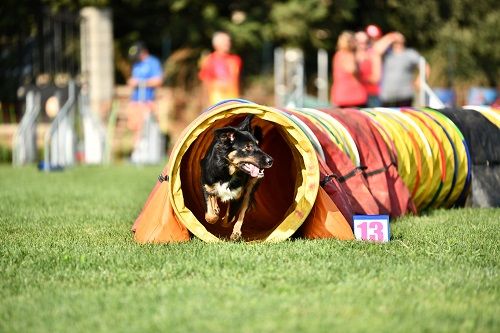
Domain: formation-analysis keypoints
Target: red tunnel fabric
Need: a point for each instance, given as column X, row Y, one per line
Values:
column 384, row 182
column 335, row 191
column 355, row 187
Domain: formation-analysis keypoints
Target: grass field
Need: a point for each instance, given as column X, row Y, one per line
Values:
column 68, row 264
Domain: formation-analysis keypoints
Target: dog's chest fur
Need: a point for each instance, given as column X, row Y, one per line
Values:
column 225, row 192
column 217, row 181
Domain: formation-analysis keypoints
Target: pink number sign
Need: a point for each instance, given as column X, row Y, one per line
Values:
column 372, row 227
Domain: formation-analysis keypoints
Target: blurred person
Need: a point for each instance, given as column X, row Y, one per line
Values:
column 370, row 67
column 147, row 75
column 371, row 45
column 220, row 71
column 398, row 73
column 347, row 89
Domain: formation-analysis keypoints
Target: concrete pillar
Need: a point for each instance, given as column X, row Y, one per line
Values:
column 96, row 40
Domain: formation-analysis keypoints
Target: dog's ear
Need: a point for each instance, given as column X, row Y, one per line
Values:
column 225, row 134
column 245, row 124
column 257, row 133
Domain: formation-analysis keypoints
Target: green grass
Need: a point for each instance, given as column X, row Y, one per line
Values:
column 68, row 263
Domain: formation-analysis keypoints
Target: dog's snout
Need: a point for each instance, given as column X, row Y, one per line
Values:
column 268, row 161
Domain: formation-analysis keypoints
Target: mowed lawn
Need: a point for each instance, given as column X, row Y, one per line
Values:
column 68, row 263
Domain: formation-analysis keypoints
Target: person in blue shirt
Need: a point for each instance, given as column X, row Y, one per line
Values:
column 147, row 75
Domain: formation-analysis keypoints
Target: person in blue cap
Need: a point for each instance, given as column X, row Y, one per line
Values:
column 147, row 75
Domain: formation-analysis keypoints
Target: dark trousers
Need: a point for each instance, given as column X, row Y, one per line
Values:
column 398, row 103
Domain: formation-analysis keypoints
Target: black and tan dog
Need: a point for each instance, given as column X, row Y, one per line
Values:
column 230, row 171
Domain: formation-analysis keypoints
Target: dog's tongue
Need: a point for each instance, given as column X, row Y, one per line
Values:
column 252, row 169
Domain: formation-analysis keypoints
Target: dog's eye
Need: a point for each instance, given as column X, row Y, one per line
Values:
column 248, row 147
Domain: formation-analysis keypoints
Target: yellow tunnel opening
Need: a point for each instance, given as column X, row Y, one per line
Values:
column 283, row 198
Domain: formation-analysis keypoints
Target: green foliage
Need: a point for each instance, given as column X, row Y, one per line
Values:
column 416, row 19
column 470, row 37
column 314, row 23
column 68, row 263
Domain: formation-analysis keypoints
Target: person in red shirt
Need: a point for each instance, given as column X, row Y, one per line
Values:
column 370, row 68
column 370, row 49
column 347, row 89
column 220, row 71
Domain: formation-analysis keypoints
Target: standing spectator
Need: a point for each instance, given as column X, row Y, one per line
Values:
column 370, row 47
column 370, row 67
column 220, row 71
column 147, row 75
column 398, row 75
column 347, row 90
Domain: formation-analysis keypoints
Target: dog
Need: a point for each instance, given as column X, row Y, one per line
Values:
column 230, row 172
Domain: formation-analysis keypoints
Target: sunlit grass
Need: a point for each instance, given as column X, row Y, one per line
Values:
column 68, row 263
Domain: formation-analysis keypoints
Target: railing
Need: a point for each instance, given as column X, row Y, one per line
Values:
column 322, row 80
column 289, row 77
column 94, row 134
column 59, row 145
column 24, row 144
column 426, row 97
column 149, row 146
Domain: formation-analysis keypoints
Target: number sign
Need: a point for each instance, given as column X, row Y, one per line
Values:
column 372, row 227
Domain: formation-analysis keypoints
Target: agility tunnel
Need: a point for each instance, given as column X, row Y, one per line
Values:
column 432, row 155
column 409, row 160
column 377, row 162
column 337, row 146
column 288, row 198
column 329, row 165
column 480, row 126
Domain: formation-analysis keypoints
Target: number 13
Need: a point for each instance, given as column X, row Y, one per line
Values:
column 372, row 231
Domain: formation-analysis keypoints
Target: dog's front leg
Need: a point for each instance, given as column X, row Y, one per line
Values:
column 212, row 214
column 236, row 234
column 225, row 221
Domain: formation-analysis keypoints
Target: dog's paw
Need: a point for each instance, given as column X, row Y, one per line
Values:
column 236, row 236
column 211, row 218
column 226, row 223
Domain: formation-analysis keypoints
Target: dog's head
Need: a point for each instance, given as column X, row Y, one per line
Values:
column 240, row 146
